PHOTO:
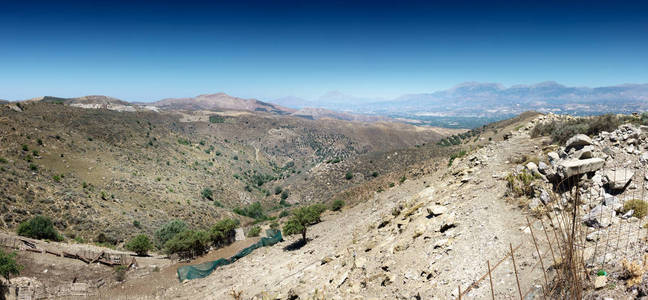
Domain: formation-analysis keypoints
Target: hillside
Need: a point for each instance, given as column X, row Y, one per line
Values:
column 219, row 102
column 97, row 171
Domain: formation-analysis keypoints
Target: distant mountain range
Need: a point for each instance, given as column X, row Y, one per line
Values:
column 465, row 105
column 480, row 99
column 209, row 102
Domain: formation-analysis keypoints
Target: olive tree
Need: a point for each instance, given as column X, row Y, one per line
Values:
column 302, row 218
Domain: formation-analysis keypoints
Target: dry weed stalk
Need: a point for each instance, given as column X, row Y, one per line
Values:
column 236, row 295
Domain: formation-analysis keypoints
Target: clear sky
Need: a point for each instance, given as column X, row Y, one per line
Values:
column 268, row 49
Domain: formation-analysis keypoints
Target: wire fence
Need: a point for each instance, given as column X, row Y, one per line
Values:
column 567, row 253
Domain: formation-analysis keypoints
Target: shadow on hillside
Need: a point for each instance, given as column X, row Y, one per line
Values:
column 296, row 245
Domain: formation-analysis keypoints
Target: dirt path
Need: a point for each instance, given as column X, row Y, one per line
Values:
column 152, row 285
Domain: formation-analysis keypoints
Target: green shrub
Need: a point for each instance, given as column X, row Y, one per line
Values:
column 301, row 219
column 223, row 232
column 207, row 193
column 520, row 184
column 137, row 224
column 25, row 148
column 141, row 244
column 188, row 243
column 8, row 265
column 3, row 160
column 561, row 131
column 458, row 154
column 254, row 231
column 284, row 195
column 216, row 119
column 35, row 153
column 402, row 179
column 284, row 213
column 348, row 175
column 39, row 227
column 274, row 225
column 56, row 178
column 254, row 210
column 33, row 167
column 640, row 207
column 374, row 174
column 168, row 231
column 40, row 142
column 337, row 205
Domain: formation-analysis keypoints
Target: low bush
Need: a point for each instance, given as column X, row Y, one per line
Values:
column 254, row 231
column 561, row 131
column 458, row 154
column 520, row 184
column 168, row 231
column 337, row 205
column 8, row 265
column 277, row 190
column 348, row 175
column 141, row 244
column 39, row 227
column 207, row 193
column 639, row 207
column 254, row 210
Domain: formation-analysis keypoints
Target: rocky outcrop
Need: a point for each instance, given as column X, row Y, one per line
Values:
column 578, row 140
column 574, row 167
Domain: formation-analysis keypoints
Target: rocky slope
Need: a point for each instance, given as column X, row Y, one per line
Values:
column 100, row 170
column 420, row 239
column 219, row 102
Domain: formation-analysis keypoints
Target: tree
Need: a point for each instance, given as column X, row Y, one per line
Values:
column 8, row 265
column 168, row 231
column 188, row 243
column 140, row 244
column 39, row 227
column 302, row 218
column 223, row 232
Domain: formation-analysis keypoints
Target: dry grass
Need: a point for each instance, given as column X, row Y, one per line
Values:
column 639, row 207
column 634, row 271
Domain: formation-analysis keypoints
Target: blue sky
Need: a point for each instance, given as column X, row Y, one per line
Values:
column 268, row 49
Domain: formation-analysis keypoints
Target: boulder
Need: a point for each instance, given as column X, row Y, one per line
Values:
column 570, row 168
column 619, row 178
column 436, row 210
column 578, row 140
column 586, row 152
column 599, row 217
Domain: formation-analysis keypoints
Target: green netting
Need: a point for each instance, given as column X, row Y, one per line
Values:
column 206, row 268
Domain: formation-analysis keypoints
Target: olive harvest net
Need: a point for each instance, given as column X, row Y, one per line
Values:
column 202, row 270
